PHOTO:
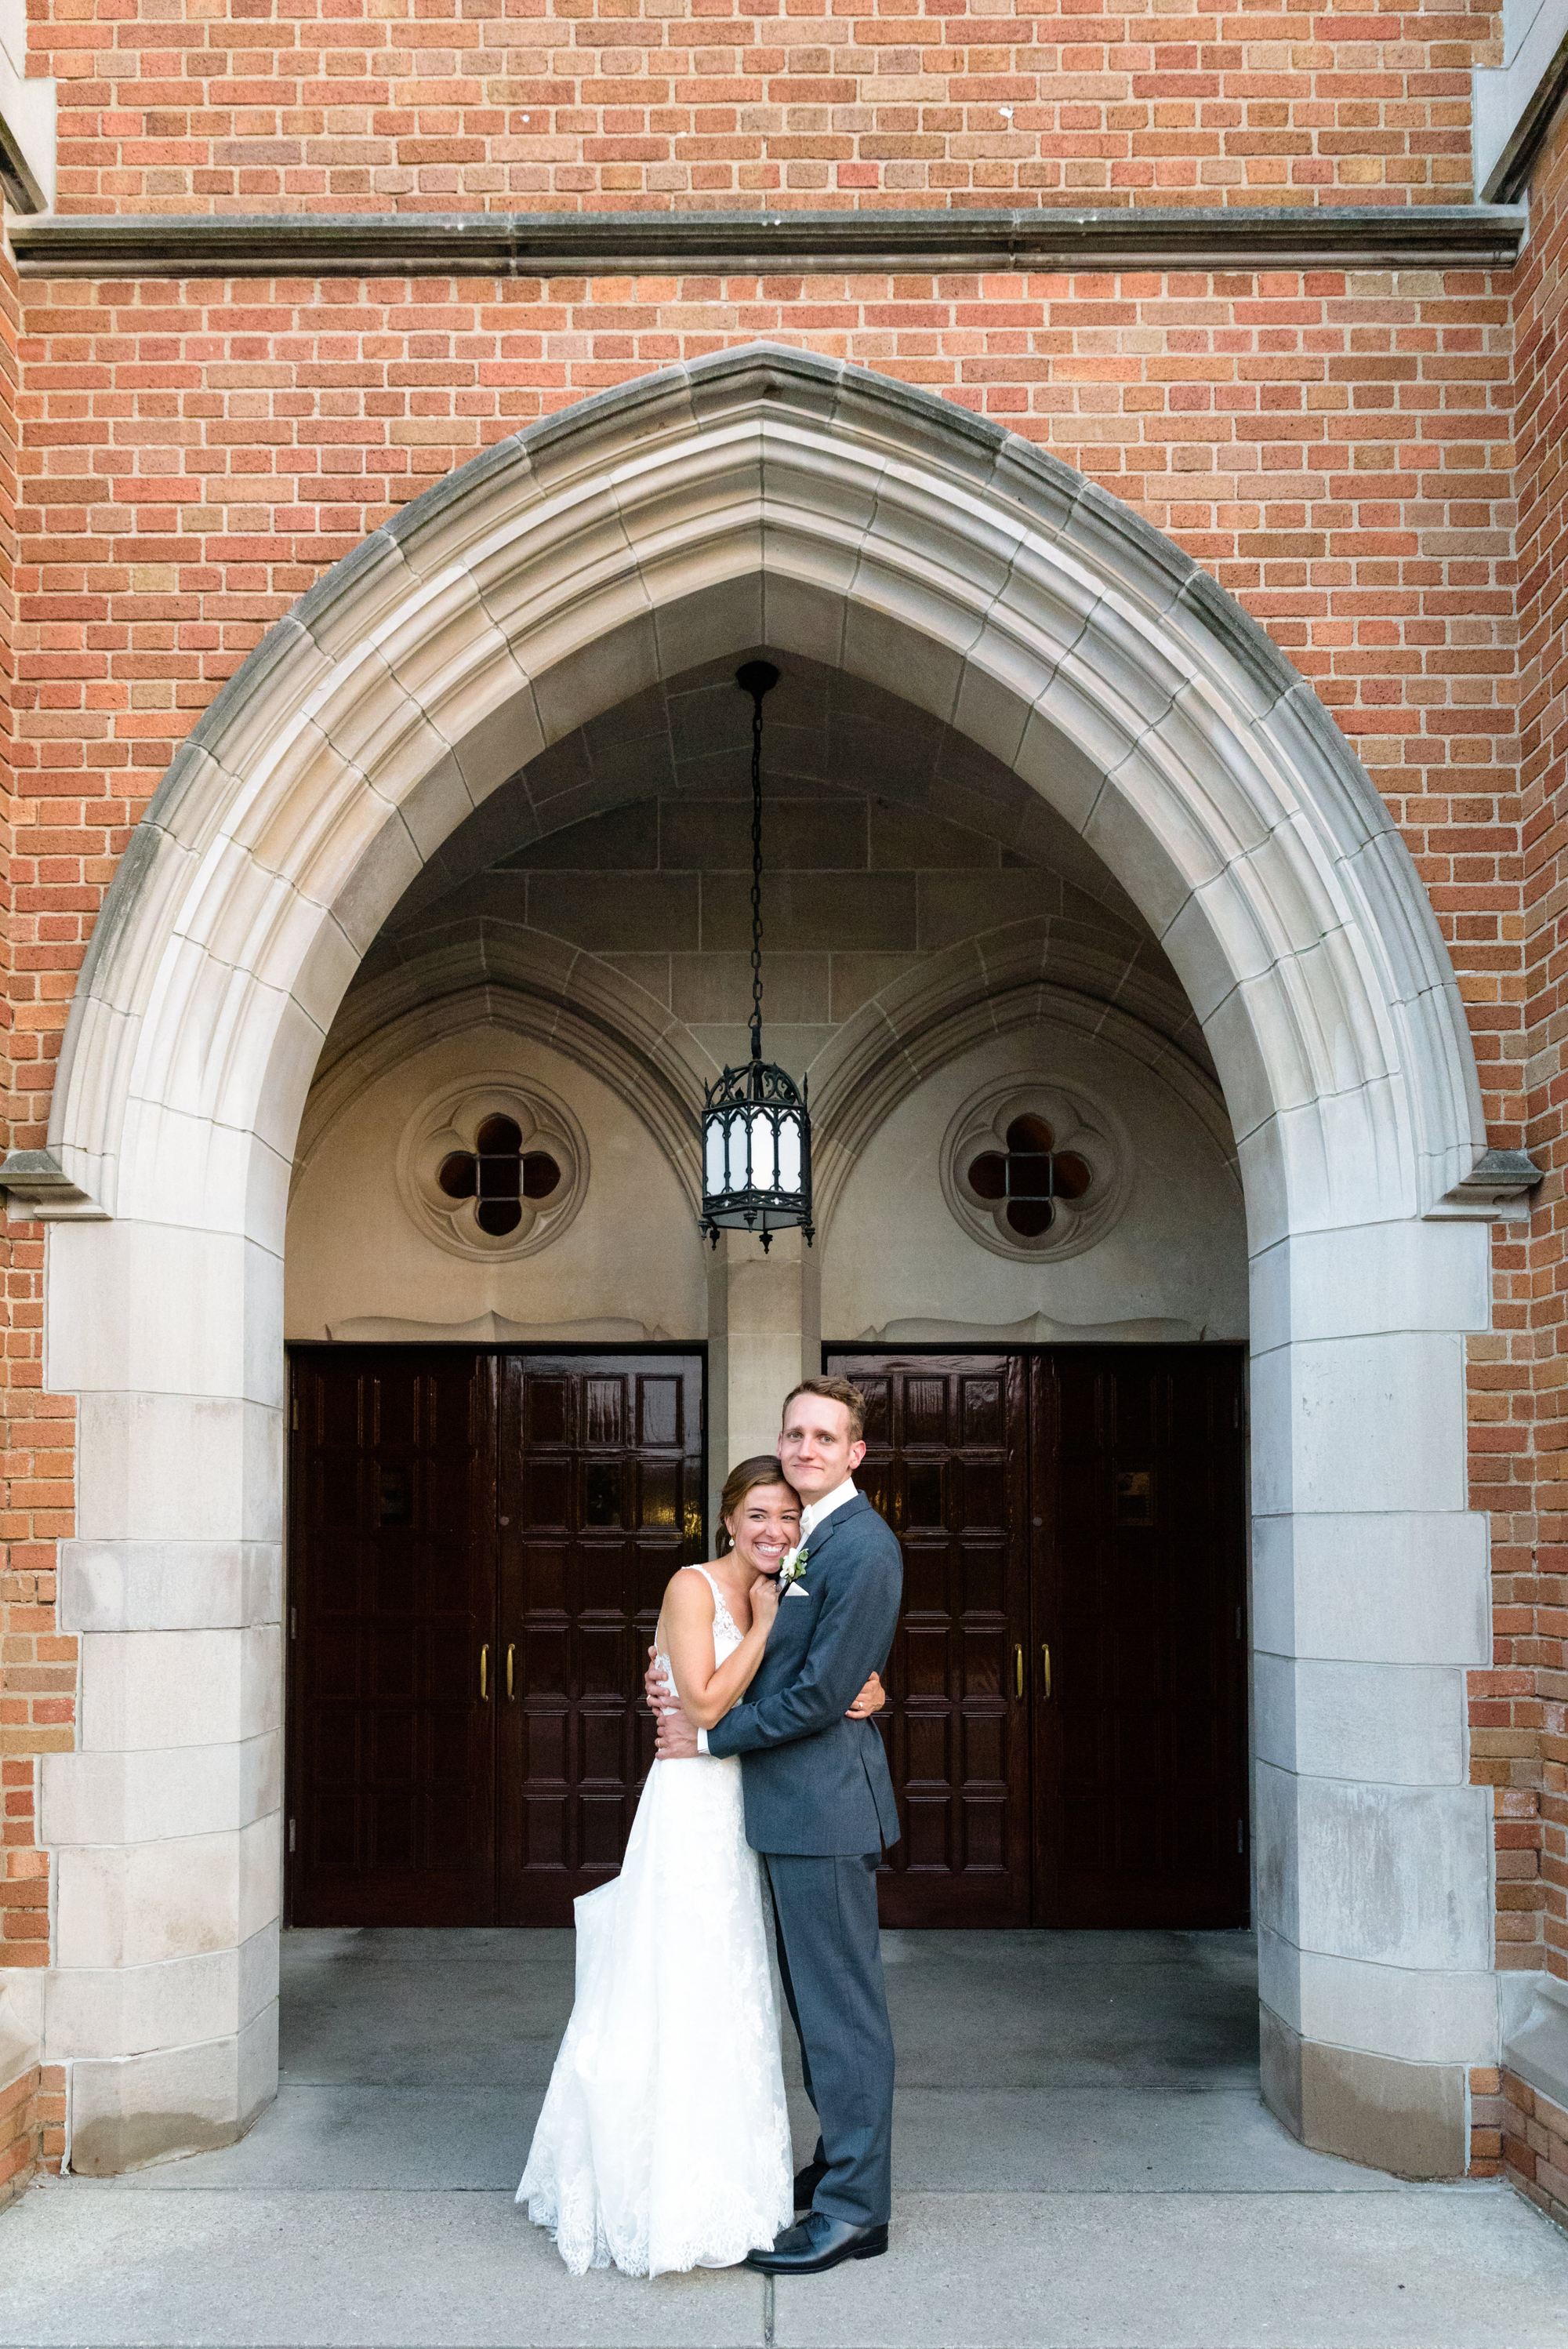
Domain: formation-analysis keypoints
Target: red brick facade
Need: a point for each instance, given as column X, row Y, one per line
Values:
column 262, row 105
column 1370, row 461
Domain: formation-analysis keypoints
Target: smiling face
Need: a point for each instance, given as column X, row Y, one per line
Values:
column 816, row 1446
column 765, row 1526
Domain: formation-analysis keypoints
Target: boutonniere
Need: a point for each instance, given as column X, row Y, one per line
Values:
column 789, row 1574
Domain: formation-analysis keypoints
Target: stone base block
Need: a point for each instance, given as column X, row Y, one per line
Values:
column 130, row 2112
column 1409, row 2119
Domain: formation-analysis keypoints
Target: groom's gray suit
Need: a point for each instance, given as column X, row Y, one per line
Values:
column 819, row 1809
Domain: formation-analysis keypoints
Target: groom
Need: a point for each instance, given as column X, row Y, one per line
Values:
column 819, row 1809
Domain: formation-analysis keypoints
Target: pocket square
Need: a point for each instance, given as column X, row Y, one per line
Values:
column 796, row 1590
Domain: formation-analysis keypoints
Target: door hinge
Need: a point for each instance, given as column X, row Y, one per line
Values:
column 1238, row 1622
column 1240, row 1832
column 701, row 1416
column 296, row 1415
column 291, row 1836
column 294, row 1622
column 1235, row 1411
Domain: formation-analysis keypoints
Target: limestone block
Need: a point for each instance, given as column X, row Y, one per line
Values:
column 324, row 970
column 1144, row 675
column 131, row 2010
column 1345, row 1159
column 884, row 640
column 445, row 651
column 138, row 1904
column 1400, row 1724
column 1410, row 2118
column 388, row 865
column 1406, row 1275
column 1537, row 2046
column 168, row 1586
column 150, row 1688
column 21, row 2019
column 370, row 709
column 135, row 1305
column 260, row 1875
column 273, row 1057
column 1386, row 1587
column 129, row 2112
column 179, row 1167
column 173, row 1468
column 177, row 1791
column 1398, row 1875
column 711, row 623
column 1419, row 2017
column 1347, row 1425
column 578, row 674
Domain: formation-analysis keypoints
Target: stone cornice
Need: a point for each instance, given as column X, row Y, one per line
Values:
column 567, row 245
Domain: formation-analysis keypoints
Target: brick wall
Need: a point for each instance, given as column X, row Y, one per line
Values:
column 37, row 1669
column 264, row 106
column 1337, row 448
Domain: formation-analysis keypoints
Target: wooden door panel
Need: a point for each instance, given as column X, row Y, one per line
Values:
column 599, row 1483
column 392, row 1596
column 1139, row 1751
column 946, row 1441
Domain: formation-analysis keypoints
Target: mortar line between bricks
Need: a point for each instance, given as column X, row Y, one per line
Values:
column 767, row 2312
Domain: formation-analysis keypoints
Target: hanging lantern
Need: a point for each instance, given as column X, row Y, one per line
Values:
column 756, row 1132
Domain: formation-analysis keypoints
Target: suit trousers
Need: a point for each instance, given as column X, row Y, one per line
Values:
column 829, row 1958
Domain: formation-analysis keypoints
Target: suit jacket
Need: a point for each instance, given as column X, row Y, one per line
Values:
column 813, row 1781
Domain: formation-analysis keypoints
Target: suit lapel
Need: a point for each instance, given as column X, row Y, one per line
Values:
column 822, row 1535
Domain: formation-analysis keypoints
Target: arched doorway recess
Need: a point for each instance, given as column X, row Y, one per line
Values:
column 769, row 496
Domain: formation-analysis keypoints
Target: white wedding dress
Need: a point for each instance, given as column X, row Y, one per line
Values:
column 665, row 2138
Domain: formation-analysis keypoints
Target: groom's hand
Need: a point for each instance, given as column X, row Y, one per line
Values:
column 677, row 1738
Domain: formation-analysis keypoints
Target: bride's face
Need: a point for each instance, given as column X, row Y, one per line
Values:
column 766, row 1525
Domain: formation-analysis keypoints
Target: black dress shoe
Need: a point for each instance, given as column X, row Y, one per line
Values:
column 818, row 2243
column 807, row 2181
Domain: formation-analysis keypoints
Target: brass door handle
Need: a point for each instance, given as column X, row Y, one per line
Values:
column 1046, row 1664
column 511, row 1653
column 1017, row 1672
column 484, row 1675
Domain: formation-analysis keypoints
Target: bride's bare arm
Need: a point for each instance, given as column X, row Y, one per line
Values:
column 706, row 1691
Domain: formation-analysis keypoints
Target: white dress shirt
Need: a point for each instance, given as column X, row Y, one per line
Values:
column 812, row 1516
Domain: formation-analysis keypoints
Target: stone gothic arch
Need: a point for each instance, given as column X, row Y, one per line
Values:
column 770, row 496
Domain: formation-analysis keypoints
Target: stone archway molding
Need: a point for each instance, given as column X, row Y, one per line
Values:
column 763, row 494
column 769, row 497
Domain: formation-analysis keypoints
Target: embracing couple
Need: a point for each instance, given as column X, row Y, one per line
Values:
column 663, row 2142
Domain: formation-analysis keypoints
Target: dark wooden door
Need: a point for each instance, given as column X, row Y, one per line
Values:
column 1085, row 1505
column 391, row 1598
column 601, row 1467
column 1140, row 1746
column 479, row 1545
column 946, row 1452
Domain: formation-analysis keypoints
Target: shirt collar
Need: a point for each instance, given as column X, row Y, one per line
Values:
column 812, row 1514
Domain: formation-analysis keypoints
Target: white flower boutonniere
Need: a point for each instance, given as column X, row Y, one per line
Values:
column 789, row 1573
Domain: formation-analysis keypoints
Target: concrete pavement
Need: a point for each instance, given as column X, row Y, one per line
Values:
column 1081, row 2159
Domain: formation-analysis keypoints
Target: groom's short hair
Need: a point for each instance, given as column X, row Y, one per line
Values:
column 833, row 1391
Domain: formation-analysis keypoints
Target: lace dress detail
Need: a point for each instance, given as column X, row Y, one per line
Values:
column 663, row 2143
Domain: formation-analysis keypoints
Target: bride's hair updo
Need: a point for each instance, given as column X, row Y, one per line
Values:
column 762, row 1468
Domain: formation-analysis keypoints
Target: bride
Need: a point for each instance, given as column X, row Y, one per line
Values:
column 663, row 2142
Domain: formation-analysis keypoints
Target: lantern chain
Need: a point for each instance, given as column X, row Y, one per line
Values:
column 757, row 876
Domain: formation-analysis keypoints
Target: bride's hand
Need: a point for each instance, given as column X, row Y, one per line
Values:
column 763, row 1600
column 871, row 1699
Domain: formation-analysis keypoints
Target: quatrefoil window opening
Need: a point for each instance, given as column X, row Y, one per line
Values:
column 494, row 1168
column 1030, row 1173
column 497, row 1174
